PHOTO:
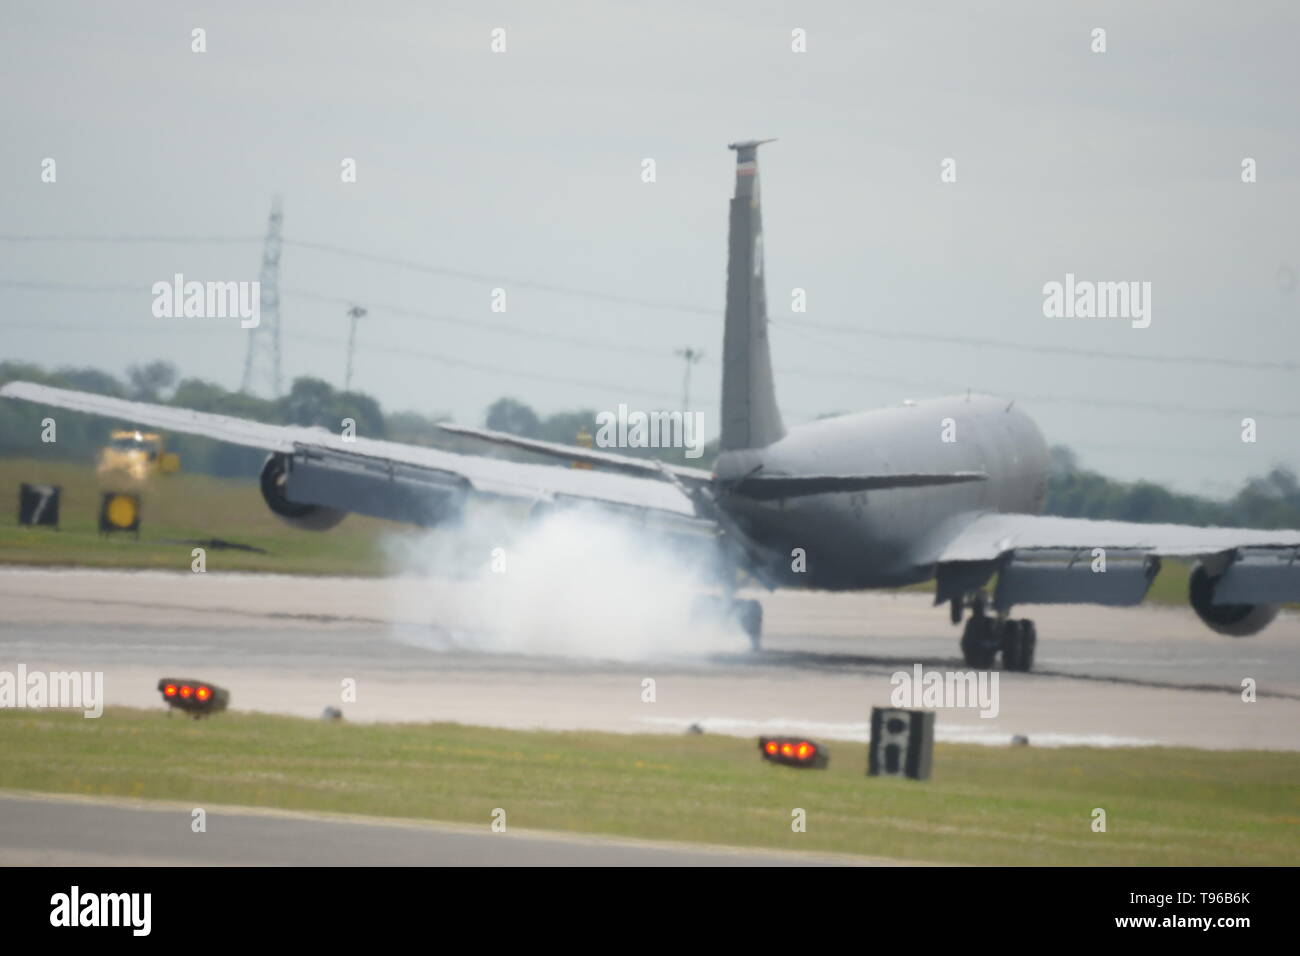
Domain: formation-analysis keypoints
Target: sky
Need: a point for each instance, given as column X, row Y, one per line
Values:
column 524, row 170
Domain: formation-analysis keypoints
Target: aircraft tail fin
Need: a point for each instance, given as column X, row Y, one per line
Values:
column 750, row 418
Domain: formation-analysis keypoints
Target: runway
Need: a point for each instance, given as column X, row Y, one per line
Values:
column 1104, row 677
column 39, row 830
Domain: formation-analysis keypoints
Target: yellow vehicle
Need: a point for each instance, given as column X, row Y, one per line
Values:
column 136, row 455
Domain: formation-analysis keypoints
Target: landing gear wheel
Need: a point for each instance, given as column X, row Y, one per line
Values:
column 1030, row 644
column 750, row 615
column 978, row 642
column 1019, row 640
column 1012, row 639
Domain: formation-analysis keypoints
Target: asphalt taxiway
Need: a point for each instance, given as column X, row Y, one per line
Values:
column 55, row 830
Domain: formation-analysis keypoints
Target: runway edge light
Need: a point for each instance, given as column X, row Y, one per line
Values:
column 793, row 752
column 198, row 698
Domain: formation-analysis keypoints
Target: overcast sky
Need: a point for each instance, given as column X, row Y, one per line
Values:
column 526, row 167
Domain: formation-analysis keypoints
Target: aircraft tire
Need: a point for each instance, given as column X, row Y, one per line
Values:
column 1012, row 645
column 978, row 646
column 1019, row 640
column 1030, row 639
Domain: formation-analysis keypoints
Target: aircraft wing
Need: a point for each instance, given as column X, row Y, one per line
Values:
column 1042, row 559
column 371, row 476
column 991, row 535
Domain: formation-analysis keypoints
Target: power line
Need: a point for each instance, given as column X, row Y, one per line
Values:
column 818, row 374
column 37, row 285
column 515, row 282
column 486, row 367
column 69, row 237
column 1045, row 349
column 488, row 326
column 969, row 341
column 1093, row 401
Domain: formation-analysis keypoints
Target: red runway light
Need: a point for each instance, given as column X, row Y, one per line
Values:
column 193, row 697
column 793, row 752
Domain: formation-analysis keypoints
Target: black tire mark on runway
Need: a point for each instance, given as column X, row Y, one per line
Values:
column 878, row 664
column 226, row 610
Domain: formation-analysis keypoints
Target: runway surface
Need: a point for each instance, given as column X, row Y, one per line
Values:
column 283, row 644
column 72, row 831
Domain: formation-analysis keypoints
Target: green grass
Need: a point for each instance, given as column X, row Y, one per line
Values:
column 1020, row 805
column 176, row 508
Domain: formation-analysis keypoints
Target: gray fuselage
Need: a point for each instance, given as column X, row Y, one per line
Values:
column 890, row 537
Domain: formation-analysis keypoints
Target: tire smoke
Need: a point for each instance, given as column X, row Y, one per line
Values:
column 573, row 583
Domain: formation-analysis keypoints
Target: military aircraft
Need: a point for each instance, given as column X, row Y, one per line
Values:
column 948, row 489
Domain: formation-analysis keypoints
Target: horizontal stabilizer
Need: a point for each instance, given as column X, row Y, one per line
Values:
column 769, row 487
column 641, row 467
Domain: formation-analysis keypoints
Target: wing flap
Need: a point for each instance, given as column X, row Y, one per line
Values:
column 1073, row 577
column 1260, row 576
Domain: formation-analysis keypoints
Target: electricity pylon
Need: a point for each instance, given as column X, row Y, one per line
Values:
column 262, row 361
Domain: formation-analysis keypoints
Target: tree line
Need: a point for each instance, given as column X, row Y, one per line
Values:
column 1268, row 501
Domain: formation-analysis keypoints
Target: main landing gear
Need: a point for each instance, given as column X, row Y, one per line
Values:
column 985, row 636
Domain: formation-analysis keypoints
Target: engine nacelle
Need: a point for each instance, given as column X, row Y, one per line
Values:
column 303, row 517
column 1234, row 620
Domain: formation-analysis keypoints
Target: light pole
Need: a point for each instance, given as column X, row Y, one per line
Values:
column 354, row 313
column 692, row 356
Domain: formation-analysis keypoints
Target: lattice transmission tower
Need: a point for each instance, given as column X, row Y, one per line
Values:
column 262, row 362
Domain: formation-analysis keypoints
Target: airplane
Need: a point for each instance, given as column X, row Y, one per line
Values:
column 946, row 489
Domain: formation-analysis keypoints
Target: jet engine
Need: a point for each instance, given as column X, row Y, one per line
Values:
column 303, row 517
column 1234, row 620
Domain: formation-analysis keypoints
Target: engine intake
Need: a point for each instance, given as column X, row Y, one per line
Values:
column 1234, row 620
column 304, row 517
